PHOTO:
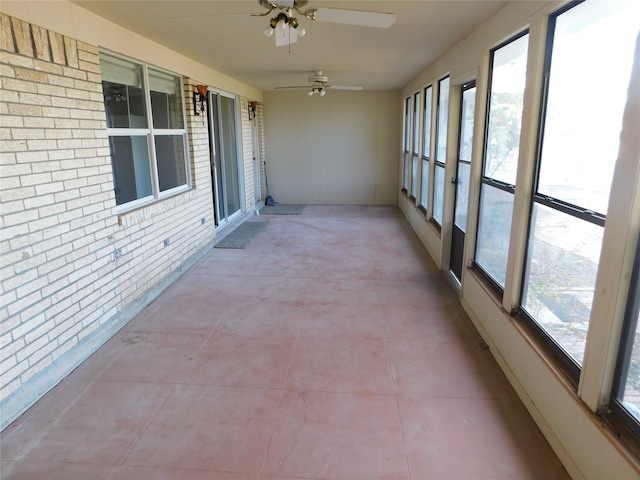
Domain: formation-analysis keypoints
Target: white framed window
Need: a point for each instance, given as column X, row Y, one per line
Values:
column 507, row 78
column 426, row 148
column 146, row 121
column 406, row 147
column 441, row 149
column 577, row 151
column 415, row 151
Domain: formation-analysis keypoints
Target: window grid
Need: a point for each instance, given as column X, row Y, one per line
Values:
column 150, row 169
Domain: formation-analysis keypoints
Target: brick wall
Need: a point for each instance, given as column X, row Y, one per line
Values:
column 74, row 271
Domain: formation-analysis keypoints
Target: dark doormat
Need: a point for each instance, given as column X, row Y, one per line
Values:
column 282, row 209
column 241, row 236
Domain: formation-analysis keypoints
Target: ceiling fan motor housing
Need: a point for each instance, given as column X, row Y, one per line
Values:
column 317, row 77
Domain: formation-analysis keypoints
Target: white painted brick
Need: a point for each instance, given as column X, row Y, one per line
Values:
column 44, row 351
column 30, row 157
column 41, row 144
column 54, row 133
column 49, row 188
column 35, row 179
column 39, row 201
column 55, row 112
column 35, row 122
column 26, row 326
column 50, row 166
column 15, row 170
column 35, row 99
column 12, row 120
column 27, row 133
column 18, row 218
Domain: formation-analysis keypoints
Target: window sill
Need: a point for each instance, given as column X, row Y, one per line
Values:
column 422, row 210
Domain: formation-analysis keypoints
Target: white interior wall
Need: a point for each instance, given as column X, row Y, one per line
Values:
column 337, row 149
column 586, row 446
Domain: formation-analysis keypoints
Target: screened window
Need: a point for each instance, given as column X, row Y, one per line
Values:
column 406, row 171
column 415, row 162
column 507, row 77
column 146, row 128
column 426, row 148
column 576, row 156
column 441, row 148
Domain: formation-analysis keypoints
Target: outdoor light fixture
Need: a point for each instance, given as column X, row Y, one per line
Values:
column 252, row 110
column 200, row 96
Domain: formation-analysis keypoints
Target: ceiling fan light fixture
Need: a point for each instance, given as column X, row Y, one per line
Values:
column 268, row 31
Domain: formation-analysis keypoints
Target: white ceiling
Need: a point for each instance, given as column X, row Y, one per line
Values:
column 222, row 35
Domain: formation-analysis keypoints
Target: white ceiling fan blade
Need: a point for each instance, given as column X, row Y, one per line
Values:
column 344, row 87
column 297, row 87
column 283, row 3
column 354, row 17
column 285, row 37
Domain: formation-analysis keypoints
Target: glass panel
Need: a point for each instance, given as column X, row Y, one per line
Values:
column 438, row 194
column 508, row 78
column 494, row 231
column 230, row 154
column 407, row 124
column 416, row 123
column 561, row 273
column 406, row 171
column 122, row 90
column 171, row 161
column 124, row 106
column 581, row 132
column 424, row 191
column 166, row 100
column 466, row 123
column 462, row 195
column 443, row 120
column 414, row 176
column 130, row 163
column 426, row 128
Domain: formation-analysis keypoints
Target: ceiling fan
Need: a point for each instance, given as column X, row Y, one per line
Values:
column 286, row 28
column 319, row 84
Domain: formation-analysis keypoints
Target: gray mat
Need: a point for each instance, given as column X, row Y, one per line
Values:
column 282, row 210
column 241, row 236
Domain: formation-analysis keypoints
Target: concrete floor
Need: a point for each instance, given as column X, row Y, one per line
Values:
column 330, row 348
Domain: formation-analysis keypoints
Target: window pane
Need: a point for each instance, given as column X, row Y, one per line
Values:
column 466, row 123
column 414, row 176
column 424, row 191
column 438, row 194
column 416, row 123
column 123, row 95
column 581, row 132
column 443, row 120
column 494, row 231
column 406, row 170
column 462, row 195
column 166, row 100
column 426, row 128
column 508, row 78
column 130, row 163
column 171, row 162
column 561, row 273
column 407, row 124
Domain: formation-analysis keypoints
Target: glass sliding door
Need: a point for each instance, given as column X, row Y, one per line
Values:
column 224, row 147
